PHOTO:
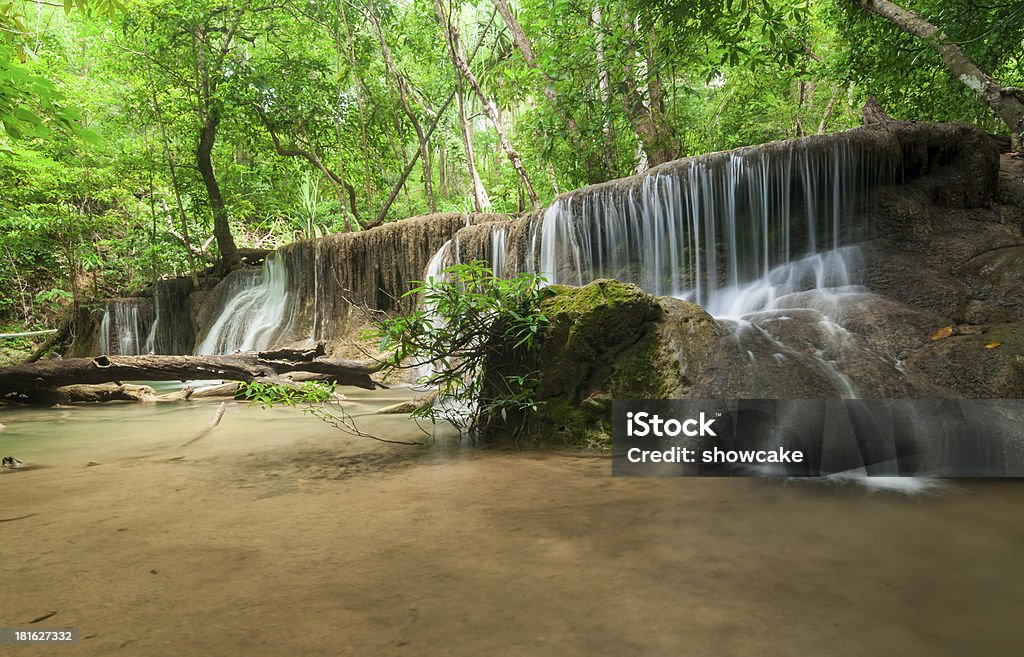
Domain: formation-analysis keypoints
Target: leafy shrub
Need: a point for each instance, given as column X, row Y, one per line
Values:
column 472, row 338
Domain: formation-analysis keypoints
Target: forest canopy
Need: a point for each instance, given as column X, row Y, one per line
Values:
column 156, row 138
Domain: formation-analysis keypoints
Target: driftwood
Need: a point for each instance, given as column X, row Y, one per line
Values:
column 409, row 406
column 214, row 421
column 289, row 380
column 100, row 392
column 37, row 382
column 229, row 389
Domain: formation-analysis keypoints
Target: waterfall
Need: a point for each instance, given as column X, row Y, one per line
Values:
column 731, row 232
column 499, row 235
column 258, row 314
column 313, row 291
column 124, row 327
column 438, row 263
column 762, row 238
column 434, row 270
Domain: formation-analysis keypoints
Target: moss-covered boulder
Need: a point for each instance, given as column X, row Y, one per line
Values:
column 611, row 340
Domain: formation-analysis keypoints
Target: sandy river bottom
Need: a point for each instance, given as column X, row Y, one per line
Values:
column 276, row 535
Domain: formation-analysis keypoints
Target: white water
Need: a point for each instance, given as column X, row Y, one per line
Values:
column 257, row 314
column 123, row 329
column 732, row 235
column 434, row 273
column 499, row 235
column 739, row 233
column 746, row 235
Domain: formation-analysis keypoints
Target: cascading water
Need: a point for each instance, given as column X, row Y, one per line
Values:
column 754, row 236
column 313, row 291
column 124, row 328
column 499, row 236
column 731, row 234
column 171, row 331
column 434, row 272
column 258, row 313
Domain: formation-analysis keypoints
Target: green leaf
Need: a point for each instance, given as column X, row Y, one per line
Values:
column 90, row 137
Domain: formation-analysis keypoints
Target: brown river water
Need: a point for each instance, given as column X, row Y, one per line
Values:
column 275, row 534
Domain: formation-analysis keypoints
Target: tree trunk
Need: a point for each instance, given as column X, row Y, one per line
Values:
column 174, row 173
column 430, row 131
column 38, row 381
column 481, row 202
column 210, row 118
column 827, row 113
column 1006, row 102
column 873, row 112
column 518, row 35
column 522, row 43
column 654, row 133
column 459, row 60
column 604, row 87
column 100, row 392
column 221, row 226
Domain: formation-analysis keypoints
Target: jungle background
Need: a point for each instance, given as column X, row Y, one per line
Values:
column 157, row 138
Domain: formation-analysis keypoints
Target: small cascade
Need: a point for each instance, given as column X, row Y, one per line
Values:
column 124, row 327
column 258, row 313
column 171, row 331
column 835, row 270
column 314, row 291
column 733, row 232
column 434, row 272
column 499, row 236
column 438, row 263
column 320, row 319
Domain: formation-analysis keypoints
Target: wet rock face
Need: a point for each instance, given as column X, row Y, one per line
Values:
column 997, row 279
column 823, row 346
column 982, row 365
column 947, row 248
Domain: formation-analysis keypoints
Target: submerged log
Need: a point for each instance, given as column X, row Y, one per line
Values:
column 37, row 381
column 402, row 408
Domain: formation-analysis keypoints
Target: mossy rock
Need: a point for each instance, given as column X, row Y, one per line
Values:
column 610, row 340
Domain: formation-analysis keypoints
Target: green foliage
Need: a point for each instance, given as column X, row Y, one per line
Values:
column 268, row 395
column 102, row 217
column 15, row 350
column 309, row 196
column 317, row 398
column 472, row 340
column 907, row 76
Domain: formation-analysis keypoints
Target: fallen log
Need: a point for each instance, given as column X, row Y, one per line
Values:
column 101, row 392
column 35, row 382
column 229, row 389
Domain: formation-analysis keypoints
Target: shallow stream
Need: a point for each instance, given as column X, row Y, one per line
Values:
column 275, row 534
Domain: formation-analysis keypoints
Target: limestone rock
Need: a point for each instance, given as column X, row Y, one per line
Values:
column 997, row 278
column 611, row 340
column 971, row 368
